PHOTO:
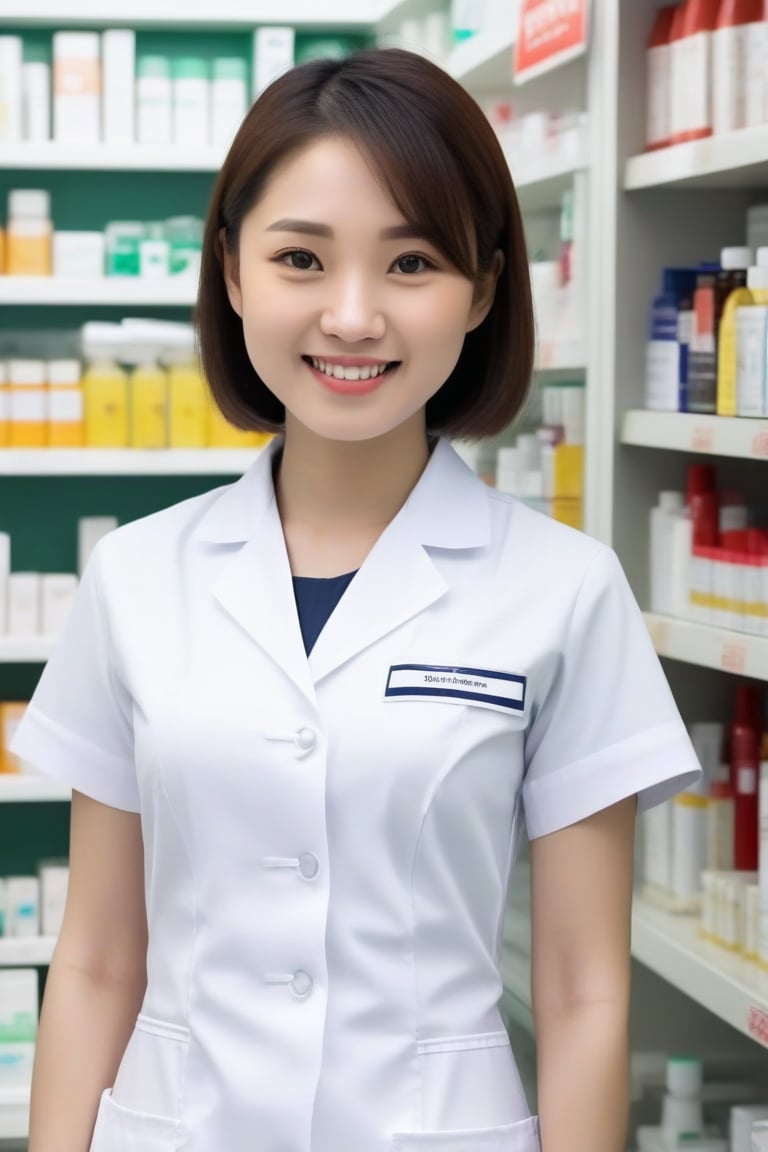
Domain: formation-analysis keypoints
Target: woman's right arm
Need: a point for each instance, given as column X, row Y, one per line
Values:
column 97, row 977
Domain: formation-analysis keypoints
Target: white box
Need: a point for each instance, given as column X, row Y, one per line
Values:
column 24, row 604
column 54, row 880
column 78, row 255
column 118, row 69
column 90, row 530
column 18, row 1025
column 36, row 102
column 5, row 571
column 58, row 593
column 11, row 87
column 273, row 54
column 22, row 906
column 77, row 87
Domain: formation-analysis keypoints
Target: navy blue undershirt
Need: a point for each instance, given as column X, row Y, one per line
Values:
column 316, row 599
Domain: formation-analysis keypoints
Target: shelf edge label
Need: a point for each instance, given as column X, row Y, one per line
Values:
column 549, row 33
column 757, row 1025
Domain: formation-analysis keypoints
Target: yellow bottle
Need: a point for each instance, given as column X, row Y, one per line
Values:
column 222, row 434
column 187, row 406
column 568, row 502
column 65, row 425
column 727, row 354
column 148, row 388
column 105, row 389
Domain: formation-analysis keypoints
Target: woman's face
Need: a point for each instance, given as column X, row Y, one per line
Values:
column 351, row 318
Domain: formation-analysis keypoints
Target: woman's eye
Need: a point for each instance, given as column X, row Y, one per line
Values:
column 300, row 259
column 411, row 263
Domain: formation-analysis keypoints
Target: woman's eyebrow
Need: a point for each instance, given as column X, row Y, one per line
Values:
column 314, row 228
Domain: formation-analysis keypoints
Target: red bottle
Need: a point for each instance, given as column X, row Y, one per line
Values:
column 658, row 124
column 746, row 766
column 693, row 70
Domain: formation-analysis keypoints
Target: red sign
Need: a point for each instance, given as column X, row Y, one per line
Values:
column 549, row 33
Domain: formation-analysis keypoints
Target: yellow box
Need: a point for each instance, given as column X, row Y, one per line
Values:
column 10, row 718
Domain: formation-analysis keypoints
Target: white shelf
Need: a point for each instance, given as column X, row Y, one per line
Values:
column 25, row 788
column 724, row 983
column 173, row 292
column 102, row 157
column 14, row 1113
column 486, row 58
column 733, row 160
column 708, row 647
column 197, row 14
column 540, row 186
column 35, row 650
column 689, row 432
column 126, row 461
column 33, row 951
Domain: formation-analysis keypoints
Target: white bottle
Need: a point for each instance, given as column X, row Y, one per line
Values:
column 36, row 83
column 689, row 840
column 229, row 99
column 756, row 104
column 752, row 350
column 11, row 66
column 729, row 78
column 670, row 508
column 153, row 100
column 191, row 102
column 118, row 49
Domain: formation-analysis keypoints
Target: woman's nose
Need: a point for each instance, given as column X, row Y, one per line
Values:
column 353, row 313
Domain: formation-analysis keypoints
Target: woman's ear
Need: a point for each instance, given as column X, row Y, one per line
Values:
column 485, row 291
column 231, row 274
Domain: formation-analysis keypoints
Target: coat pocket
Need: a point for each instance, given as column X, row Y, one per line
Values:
column 119, row 1129
column 150, row 1080
column 522, row 1136
column 469, row 1082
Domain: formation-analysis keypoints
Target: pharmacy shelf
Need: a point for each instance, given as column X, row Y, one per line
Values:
column 33, row 951
column 540, row 186
column 126, row 461
column 689, row 432
column 708, row 647
column 14, row 1114
column 486, row 59
column 733, row 160
column 173, row 292
column 231, row 14
column 724, row 983
column 24, row 788
column 35, row 650
column 49, row 155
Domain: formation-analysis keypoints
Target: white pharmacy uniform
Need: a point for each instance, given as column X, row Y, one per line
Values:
column 328, row 839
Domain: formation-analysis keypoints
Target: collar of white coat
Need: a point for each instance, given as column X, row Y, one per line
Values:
column 448, row 507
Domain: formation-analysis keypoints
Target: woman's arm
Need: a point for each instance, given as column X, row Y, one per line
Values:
column 581, row 896
column 97, row 977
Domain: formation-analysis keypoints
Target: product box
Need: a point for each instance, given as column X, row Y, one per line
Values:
column 24, row 604
column 78, row 255
column 18, row 1025
column 58, row 592
column 10, row 718
column 22, row 906
column 118, row 53
column 77, row 87
column 273, row 54
column 54, row 880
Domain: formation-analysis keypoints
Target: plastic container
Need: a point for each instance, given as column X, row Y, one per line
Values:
column 28, row 406
column 77, row 87
column 118, row 49
column 191, row 102
column 670, row 507
column 148, row 391
column 658, row 131
column 732, row 262
column 752, row 347
column 185, row 238
column 123, row 247
column 466, row 19
column 737, row 40
column 746, row 767
column 105, row 390
column 229, row 99
column 11, row 88
column 30, row 232
column 721, row 826
column 154, row 252
column 702, row 368
column 154, row 100
column 187, row 405
column 65, row 422
column 692, row 70
column 36, row 101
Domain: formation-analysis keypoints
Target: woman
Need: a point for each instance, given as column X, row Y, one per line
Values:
column 303, row 715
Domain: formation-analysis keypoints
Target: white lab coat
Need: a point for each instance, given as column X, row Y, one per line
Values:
column 327, row 840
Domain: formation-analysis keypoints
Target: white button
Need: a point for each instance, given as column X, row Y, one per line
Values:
column 302, row 984
column 309, row 865
column 306, row 739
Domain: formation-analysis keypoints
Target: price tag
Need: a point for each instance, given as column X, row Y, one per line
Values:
column 757, row 1025
column 701, row 439
column 733, row 657
column 760, row 444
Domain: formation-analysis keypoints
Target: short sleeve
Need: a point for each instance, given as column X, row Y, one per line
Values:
column 608, row 727
column 78, row 727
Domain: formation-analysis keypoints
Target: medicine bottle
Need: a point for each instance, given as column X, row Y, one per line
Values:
column 30, row 233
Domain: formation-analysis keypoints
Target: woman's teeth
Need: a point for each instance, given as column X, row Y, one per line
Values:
column 337, row 372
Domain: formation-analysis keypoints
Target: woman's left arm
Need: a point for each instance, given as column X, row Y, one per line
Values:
column 581, row 897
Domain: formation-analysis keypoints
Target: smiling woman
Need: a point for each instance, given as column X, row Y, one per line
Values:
column 384, row 194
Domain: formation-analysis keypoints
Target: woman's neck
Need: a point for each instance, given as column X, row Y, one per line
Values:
column 336, row 497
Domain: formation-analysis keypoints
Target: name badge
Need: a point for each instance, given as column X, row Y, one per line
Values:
column 499, row 690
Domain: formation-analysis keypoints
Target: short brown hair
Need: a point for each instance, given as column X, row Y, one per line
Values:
column 442, row 164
